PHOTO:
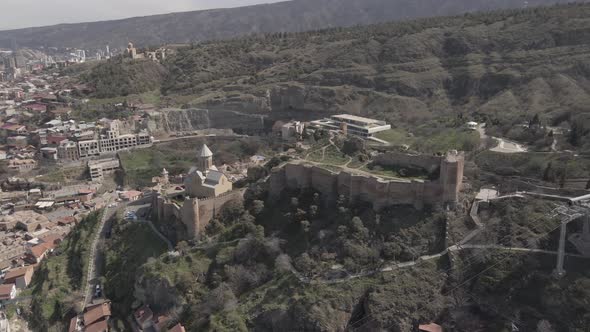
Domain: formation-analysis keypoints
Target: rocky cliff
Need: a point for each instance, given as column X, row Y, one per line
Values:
column 189, row 120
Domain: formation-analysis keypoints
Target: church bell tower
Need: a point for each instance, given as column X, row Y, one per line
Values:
column 204, row 159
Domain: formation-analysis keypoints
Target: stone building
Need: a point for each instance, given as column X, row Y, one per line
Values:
column 88, row 148
column 207, row 191
column 131, row 51
column 204, row 180
column 22, row 165
column 68, row 150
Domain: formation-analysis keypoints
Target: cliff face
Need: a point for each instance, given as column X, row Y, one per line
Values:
column 187, row 120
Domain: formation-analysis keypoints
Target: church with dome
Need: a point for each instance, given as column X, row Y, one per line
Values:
column 204, row 180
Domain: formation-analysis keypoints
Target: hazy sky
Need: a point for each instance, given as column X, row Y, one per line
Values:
column 28, row 13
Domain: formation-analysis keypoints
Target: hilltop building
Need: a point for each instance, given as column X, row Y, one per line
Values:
column 131, row 52
column 204, row 180
column 380, row 192
column 207, row 191
column 352, row 125
column 158, row 55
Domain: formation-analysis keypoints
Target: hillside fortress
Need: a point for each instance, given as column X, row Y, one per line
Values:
column 202, row 202
column 442, row 192
column 207, row 191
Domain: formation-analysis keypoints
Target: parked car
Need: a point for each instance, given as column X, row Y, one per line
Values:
column 98, row 291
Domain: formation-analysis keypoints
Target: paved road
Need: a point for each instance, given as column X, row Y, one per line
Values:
column 503, row 146
column 94, row 258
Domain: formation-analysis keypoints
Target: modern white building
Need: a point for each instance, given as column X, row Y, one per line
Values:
column 352, row 125
column 292, row 130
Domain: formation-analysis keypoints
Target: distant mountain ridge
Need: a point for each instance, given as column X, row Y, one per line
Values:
column 289, row 16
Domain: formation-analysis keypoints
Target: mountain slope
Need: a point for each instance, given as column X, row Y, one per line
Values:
column 296, row 15
column 506, row 65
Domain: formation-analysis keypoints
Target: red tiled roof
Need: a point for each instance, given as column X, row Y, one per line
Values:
column 143, row 314
column 177, row 328
column 39, row 250
column 97, row 313
column 5, row 291
column 51, row 240
column 132, row 193
column 10, row 126
column 73, row 323
column 15, row 273
column 432, row 327
column 161, row 321
column 99, row 326
column 67, row 220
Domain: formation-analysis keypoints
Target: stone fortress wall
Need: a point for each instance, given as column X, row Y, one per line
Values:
column 381, row 193
column 195, row 214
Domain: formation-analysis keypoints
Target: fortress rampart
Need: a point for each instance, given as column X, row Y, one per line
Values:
column 380, row 192
column 195, row 214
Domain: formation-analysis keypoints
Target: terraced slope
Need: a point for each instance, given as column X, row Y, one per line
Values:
column 502, row 64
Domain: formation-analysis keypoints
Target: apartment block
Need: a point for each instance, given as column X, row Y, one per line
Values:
column 68, row 150
column 98, row 168
column 88, row 148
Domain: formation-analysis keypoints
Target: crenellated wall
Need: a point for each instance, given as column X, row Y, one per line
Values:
column 195, row 214
column 381, row 193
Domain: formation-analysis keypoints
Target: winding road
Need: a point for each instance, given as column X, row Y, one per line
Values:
column 94, row 260
column 504, row 146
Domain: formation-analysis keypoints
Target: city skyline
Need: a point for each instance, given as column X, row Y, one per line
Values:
column 18, row 14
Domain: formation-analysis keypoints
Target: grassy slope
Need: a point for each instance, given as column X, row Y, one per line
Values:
column 123, row 77
column 129, row 247
column 179, row 156
column 534, row 165
column 482, row 290
column 56, row 285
